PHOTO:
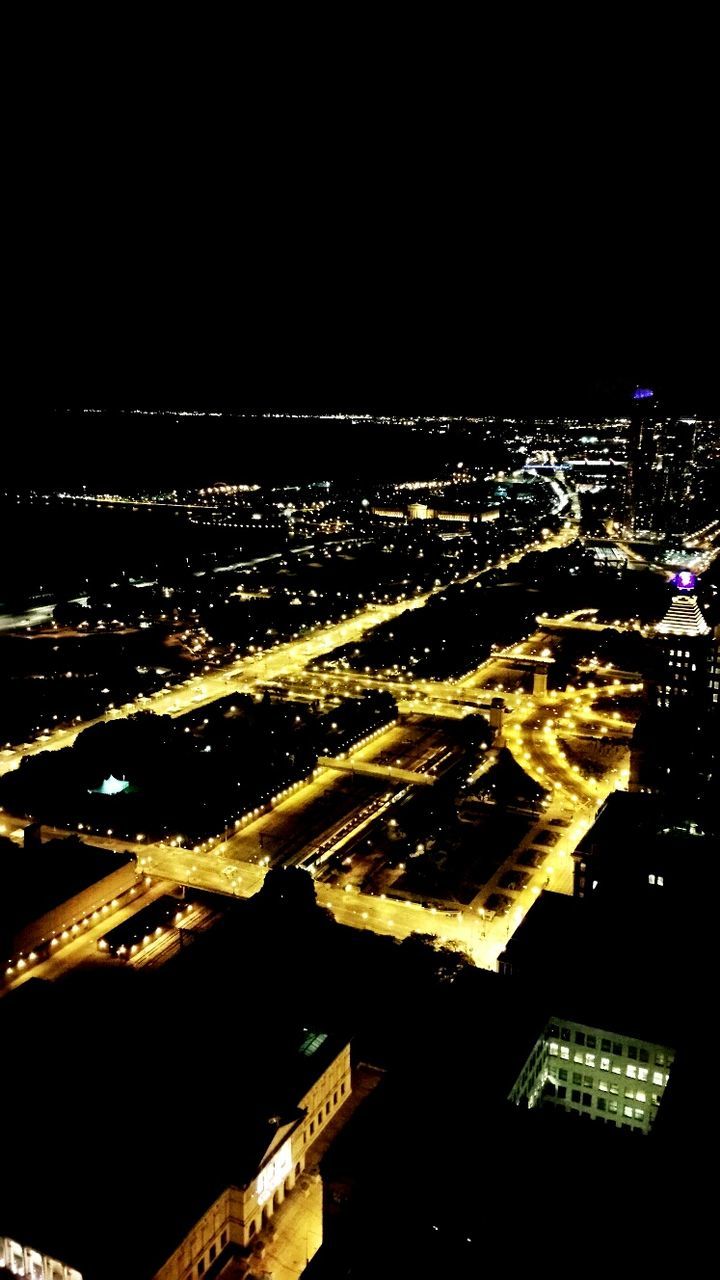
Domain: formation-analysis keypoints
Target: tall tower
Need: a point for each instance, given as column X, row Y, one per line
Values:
column 685, row 651
column 674, row 476
column 643, row 461
column 659, row 469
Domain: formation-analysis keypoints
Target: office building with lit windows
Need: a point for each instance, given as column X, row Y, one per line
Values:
column 714, row 672
column 595, row 1072
column 619, row 1011
column 685, row 649
column 675, row 745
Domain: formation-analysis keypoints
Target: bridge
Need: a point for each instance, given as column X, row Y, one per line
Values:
column 528, row 660
column 378, row 770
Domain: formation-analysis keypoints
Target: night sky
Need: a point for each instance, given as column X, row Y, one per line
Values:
column 337, row 257
column 377, row 325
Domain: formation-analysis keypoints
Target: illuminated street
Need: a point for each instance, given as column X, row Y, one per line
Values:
column 364, row 805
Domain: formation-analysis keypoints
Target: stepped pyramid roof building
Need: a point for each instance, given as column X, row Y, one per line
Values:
column 685, row 653
column 683, row 618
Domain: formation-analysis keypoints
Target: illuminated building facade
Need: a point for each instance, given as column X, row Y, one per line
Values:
column 421, row 511
column 240, row 1215
column 714, row 673
column 685, row 650
column 20, row 1260
column 596, row 1073
column 271, row 1203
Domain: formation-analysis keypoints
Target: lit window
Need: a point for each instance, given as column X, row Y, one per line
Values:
column 628, row 1111
column 604, row 1064
column 553, row 1049
column 631, row 1071
column 661, row 881
column 602, row 1086
column 640, row 1096
column 589, row 1059
column 617, row 1071
column 564, row 1052
column 639, row 1113
column 651, row 879
column 642, row 1073
column 658, row 1077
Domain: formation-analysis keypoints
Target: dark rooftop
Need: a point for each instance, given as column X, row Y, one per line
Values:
column 617, row 965
column 147, row 1088
column 34, row 881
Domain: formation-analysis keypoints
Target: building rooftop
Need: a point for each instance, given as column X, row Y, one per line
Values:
column 637, row 830
column 611, row 964
column 683, row 618
column 179, row 1104
column 35, row 881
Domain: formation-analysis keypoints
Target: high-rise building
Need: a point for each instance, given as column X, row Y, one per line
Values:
column 714, row 672
column 659, row 470
column 674, row 476
column 642, row 460
column 685, row 648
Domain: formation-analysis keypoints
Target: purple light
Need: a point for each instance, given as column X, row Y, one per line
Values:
column 685, row 580
column 643, row 393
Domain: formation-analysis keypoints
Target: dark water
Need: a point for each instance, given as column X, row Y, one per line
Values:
column 124, row 452
column 57, row 550
column 62, row 549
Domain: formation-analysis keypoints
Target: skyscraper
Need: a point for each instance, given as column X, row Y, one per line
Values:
column 673, row 476
column 685, row 650
column 659, row 470
column 642, row 460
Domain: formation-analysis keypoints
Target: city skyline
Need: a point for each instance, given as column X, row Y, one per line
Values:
column 359, row 650
column 345, row 819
